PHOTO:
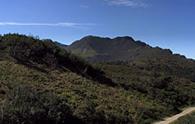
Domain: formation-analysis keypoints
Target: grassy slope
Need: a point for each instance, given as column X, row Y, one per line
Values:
column 171, row 91
column 79, row 91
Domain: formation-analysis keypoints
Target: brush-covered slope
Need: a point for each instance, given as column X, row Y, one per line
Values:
column 45, row 55
column 120, row 48
column 135, row 66
column 42, row 83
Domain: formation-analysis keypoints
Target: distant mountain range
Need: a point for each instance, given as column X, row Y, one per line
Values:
column 100, row 49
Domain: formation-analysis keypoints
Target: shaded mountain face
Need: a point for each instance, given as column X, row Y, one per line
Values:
column 130, row 52
column 118, row 49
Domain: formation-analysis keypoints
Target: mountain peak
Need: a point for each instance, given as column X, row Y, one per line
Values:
column 95, row 41
column 92, row 37
column 121, row 38
column 124, row 38
column 114, row 49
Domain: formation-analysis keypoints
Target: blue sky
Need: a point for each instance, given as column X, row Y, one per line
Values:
column 164, row 23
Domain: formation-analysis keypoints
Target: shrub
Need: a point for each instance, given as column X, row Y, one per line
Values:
column 24, row 105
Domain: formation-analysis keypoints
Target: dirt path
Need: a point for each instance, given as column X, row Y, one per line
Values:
column 175, row 117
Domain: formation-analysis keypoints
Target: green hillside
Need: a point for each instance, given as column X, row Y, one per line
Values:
column 41, row 82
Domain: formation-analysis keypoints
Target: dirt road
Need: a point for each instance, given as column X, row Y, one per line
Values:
column 175, row 117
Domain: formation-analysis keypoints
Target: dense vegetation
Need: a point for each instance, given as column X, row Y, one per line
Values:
column 41, row 82
column 25, row 105
column 172, row 90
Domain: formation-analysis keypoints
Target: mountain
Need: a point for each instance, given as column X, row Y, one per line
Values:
column 127, row 50
column 41, row 82
column 61, row 45
column 120, row 48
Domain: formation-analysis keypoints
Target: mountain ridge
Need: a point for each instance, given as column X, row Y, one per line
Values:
column 123, row 48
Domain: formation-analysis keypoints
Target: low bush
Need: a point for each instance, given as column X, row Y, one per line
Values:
column 24, row 105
